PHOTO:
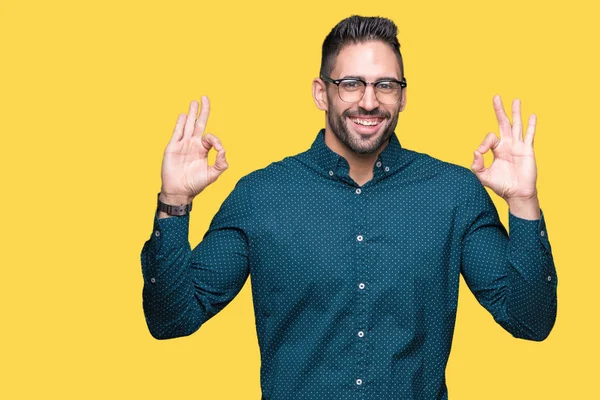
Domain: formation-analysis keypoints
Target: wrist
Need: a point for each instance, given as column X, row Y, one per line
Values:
column 526, row 208
column 175, row 200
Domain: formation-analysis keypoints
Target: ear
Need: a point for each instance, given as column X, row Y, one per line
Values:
column 319, row 91
column 403, row 100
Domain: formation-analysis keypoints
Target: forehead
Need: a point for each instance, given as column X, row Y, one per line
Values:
column 370, row 60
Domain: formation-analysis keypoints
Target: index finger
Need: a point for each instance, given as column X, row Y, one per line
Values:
column 503, row 121
column 203, row 118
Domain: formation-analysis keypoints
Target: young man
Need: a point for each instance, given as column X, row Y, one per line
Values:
column 355, row 246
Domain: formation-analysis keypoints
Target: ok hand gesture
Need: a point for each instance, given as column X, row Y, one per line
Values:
column 513, row 172
column 185, row 171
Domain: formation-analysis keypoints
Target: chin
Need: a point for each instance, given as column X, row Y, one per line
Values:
column 365, row 143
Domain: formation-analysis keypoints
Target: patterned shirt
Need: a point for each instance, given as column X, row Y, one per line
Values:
column 354, row 288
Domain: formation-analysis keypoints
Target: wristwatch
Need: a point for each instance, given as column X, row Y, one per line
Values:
column 170, row 209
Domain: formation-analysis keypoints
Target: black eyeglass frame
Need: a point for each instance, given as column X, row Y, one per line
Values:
column 337, row 82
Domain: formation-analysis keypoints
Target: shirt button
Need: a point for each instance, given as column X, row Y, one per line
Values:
column 358, row 191
column 361, row 334
column 378, row 164
column 359, row 238
column 152, row 280
column 387, row 169
column 549, row 278
column 359, row 381
column 157, row 233
column 330, row 173
column 542, row 233
column 361, row 286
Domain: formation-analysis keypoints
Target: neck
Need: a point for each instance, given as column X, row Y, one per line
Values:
column 361, row 165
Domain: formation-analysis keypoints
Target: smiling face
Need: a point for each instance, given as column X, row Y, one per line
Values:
column 366, row 125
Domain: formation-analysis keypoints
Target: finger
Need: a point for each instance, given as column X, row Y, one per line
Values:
column 490, row 141
column 203, row 118
column 178, row 131
column 503, row 122
column 517, row 124
column 477, row 166
column 191, row 119
column 529, row 136
column 220, row 164
column 209, row 141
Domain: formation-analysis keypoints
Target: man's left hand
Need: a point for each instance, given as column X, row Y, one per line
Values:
column 513, row 172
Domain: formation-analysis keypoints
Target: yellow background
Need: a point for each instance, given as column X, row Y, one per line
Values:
column 90, row 92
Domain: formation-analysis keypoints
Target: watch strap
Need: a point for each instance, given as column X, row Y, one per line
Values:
column 177, row 210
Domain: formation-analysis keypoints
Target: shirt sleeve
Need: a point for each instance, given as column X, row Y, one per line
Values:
column 185, row 288
column 514, row 276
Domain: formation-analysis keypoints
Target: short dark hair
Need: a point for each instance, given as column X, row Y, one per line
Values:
column 357, row 29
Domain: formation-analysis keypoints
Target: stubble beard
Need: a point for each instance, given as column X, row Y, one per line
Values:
column 338, row 125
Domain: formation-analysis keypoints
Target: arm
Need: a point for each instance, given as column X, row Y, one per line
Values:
column 514, row 277
column 185, row 288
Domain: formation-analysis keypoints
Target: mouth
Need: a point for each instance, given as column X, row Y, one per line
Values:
column 366, row 125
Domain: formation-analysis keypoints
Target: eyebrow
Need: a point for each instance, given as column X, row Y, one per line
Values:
column 383, row 78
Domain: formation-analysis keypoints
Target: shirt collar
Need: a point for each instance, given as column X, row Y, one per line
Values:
column 329, row 161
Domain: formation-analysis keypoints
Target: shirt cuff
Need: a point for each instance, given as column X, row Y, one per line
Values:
column 529, row 233
column 169, row 233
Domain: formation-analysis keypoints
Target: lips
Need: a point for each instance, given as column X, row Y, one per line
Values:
column 366, row 124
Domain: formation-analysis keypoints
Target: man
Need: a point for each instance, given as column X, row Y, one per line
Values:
column 355, row 246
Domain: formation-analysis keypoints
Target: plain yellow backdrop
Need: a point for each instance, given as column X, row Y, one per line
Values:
column 90, row 92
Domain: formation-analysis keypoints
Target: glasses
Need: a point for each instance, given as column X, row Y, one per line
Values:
column 351, row 90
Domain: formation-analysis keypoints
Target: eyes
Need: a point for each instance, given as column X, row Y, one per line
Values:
column 354, row 84
column 351, row 84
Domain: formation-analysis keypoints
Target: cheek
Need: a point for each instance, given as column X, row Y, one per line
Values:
column 335, row 111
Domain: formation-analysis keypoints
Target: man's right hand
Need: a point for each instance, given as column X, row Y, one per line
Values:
column 185, row 171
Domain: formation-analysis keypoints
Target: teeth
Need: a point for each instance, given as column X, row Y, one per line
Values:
column 366, row 122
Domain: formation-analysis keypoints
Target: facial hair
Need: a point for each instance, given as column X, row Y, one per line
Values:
column 338, row 125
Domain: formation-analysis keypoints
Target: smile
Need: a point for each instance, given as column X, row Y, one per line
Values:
column 366, row 121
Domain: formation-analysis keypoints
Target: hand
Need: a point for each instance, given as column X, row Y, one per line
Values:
column 185, row 170
column 513, row 172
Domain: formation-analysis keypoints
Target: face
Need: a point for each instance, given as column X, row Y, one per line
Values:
column 366, row 125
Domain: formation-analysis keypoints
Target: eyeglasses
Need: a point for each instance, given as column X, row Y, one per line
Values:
column 351, row 90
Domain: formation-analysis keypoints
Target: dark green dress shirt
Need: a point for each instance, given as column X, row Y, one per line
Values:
column 355, row 288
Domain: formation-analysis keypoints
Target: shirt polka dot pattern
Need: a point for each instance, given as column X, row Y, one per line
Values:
column 355, row 288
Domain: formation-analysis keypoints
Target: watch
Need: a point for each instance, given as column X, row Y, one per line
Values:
column 170, row 209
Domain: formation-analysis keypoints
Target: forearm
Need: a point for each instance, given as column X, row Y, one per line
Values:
column 531, row 300
column 169, row 303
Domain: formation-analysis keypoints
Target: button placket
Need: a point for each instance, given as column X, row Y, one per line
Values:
column 361, row 249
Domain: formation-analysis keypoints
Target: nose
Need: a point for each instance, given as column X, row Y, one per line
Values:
column 369, row 100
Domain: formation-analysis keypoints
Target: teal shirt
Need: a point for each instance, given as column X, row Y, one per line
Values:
column 355, row 288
